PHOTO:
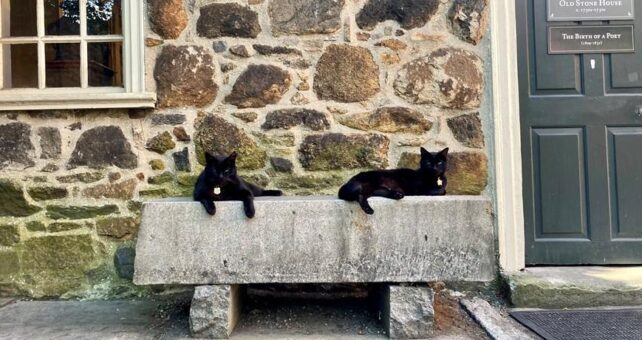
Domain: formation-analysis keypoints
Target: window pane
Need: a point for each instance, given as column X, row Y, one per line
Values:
column 20, row 17
column 105, row 64
column 104, row 17
column 62, row 17
column 63, row 65
column 22, row 72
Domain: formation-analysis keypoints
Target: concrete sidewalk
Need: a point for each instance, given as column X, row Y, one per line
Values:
column 91, row 320
column 169, row 320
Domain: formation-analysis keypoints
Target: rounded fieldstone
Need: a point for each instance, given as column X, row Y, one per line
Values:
column 469, row 19
column 271, row 50
column 185, row 77
column 181, row 160
column 124, row 261
column 259, row 86
column 50, row 142
column 305, row 16
column 122, row 190
column 408, row 13
column 449, row 77
column 467, row 129
column 181, row 135
column 101, row 147
column 47, row 193
column 168, row 18
column 9, row 235
column 228, row 20
column 240, row 51
column 346, row 74
column 123, row 228
column 289, row 118
column 281, row 164
column 16, row 149
column 219, row 137
column 168, row 119
column 157, row 164
column 161, row 143
column 335, row 151
column 247, row 117
column 389, row 120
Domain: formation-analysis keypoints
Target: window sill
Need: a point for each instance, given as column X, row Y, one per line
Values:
column 65, row 101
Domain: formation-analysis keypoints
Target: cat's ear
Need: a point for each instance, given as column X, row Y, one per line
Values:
column 209, row 159
column 232, row 158
column 425, row 154
column 443, row 153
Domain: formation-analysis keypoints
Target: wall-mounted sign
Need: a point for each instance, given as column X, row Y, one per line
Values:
column 580, row 10
column 590, row 39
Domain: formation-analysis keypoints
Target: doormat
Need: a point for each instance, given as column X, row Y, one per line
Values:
column 584, row 324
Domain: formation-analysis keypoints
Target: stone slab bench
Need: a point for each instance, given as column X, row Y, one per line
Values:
column 313, row 240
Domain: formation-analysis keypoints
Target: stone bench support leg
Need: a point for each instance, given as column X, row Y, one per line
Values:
column 215, row 311
column 408, row 311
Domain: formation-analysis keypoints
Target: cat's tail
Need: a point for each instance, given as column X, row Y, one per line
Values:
column 272, row 193
column 350, row 191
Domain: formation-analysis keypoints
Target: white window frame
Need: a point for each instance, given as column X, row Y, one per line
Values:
column 132, row 95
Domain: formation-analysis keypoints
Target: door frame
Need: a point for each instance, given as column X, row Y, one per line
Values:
column 509, row 203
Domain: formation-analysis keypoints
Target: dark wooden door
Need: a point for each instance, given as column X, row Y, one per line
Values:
column 581, row 147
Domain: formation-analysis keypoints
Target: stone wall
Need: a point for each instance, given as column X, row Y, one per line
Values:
column 309, row 92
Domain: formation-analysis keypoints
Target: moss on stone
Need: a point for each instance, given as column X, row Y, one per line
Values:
column 47, row 193
column 134, row 206
column 9, row 235
column 83, row 177
column 9, row 264
column 125, row 228
column 56, row 227
column 154, row 193
column 187, row 180
column 58, row 212
column 163, row 178
column 36, row 226
column 310, row 182
column 51, row 253
column 13, row 202
column 157, row 164
column 161, row 143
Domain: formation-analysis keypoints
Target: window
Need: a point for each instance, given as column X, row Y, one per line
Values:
column 64, row 54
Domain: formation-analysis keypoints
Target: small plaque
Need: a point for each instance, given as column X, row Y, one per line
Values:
column 586, row 10
column 590, row 39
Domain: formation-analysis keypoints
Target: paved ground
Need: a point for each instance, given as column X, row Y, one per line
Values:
column 95, row 320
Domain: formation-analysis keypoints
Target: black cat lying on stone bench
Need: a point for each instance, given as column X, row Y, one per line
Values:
column 219, row 182
column 429, row 180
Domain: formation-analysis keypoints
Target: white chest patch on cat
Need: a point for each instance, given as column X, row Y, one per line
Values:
column 217, row 191
column 440, row 183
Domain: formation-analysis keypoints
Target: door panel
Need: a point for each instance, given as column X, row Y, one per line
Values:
column 626, row 185
column 561, row 195
column 554, row 74
column 581, row 147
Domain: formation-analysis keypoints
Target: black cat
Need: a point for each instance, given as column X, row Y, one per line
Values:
column 219, row 182
column 429, row 180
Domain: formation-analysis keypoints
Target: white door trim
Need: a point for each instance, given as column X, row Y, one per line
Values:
column 508, row 157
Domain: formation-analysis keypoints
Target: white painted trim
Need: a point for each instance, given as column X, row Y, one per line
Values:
column 133, row 94
column 508, row 158
column 57, row 100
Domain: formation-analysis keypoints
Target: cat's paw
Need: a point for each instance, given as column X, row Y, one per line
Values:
column 368, row 210
column 398, row 195
column 250, row 212
column 209, row 207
